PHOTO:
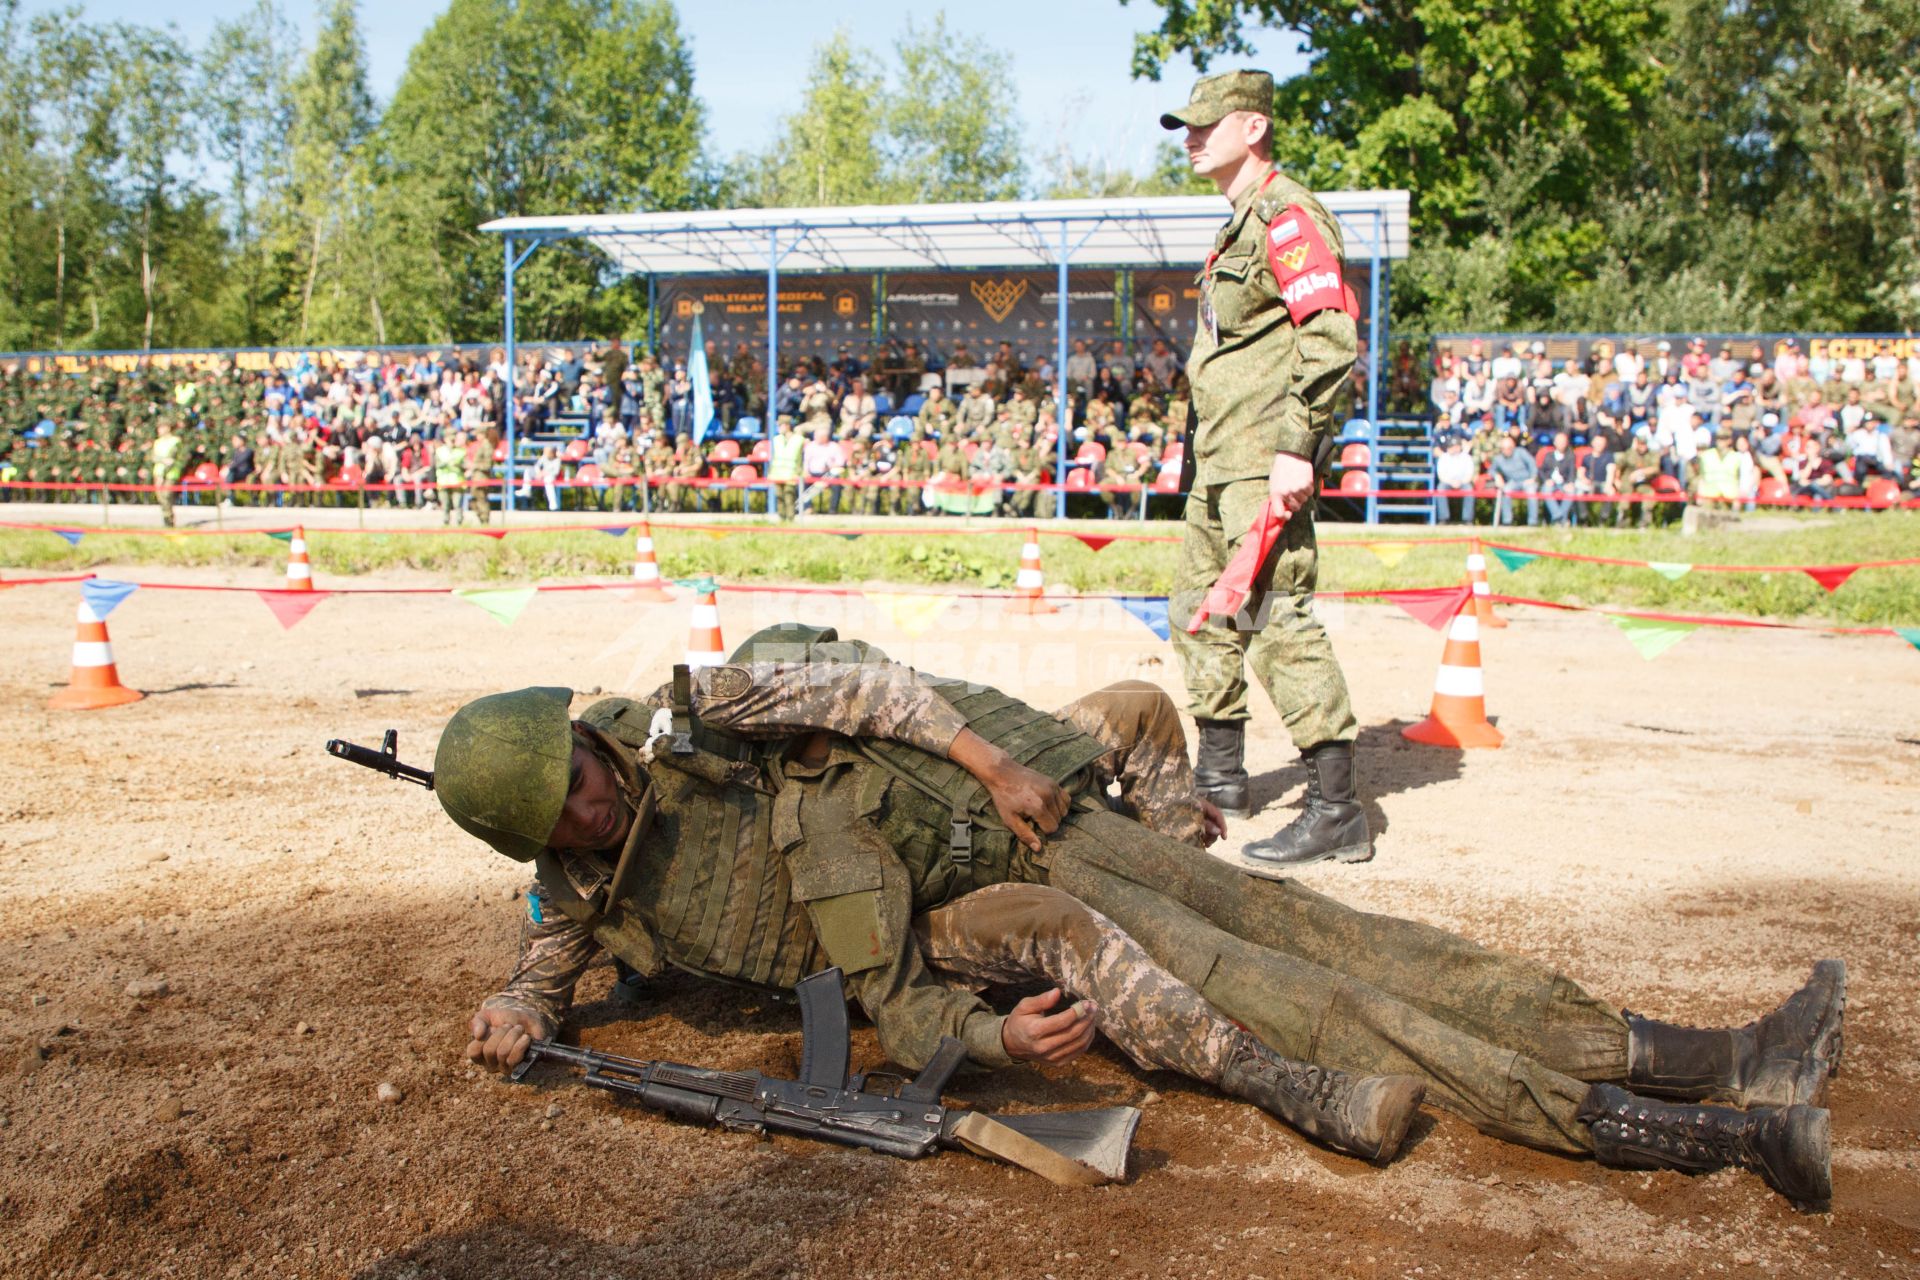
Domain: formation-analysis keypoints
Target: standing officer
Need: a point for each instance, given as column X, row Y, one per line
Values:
column 1275, row 340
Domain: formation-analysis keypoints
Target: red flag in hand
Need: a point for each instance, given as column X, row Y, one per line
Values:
column 1228, row 595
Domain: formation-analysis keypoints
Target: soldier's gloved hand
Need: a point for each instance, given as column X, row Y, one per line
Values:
column 501, row 1037
column 1032, row 1034
column 1290, row 482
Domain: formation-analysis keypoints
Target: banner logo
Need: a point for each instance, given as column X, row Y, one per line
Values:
column 845, row 303
column 1160, row 300
column 998, row 297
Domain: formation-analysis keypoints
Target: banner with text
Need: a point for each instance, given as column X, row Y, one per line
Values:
column 986, row 308
column 1831, row 351
column 818, row 314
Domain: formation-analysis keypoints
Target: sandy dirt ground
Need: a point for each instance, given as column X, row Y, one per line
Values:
column 1686, row 836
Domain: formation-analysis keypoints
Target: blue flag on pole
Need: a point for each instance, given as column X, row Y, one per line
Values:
column 697, row 375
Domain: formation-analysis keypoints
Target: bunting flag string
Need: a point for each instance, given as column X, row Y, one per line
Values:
column 1390, row 553
column 289, row 607
column 1670, row 570
column 1832, row 577
column 1651, row 637
column 72, row 536
column 1910, row 634
column 1434, row 606
column 279, row 535
column 1094, row 541
column 503, row 604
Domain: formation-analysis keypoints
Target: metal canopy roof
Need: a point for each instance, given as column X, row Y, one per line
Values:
column 1152, row 232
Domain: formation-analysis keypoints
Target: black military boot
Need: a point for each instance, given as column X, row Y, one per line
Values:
column 1365, row 1116
column 1220, row 773
column 1787, row 1146
column 1782, row 1059
column 1332, row 825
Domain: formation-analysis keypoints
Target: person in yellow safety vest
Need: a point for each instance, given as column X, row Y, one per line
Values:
column 1716, row 472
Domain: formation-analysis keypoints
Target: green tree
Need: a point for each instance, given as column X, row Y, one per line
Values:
column 951, row 123
column 515, row 107
column 827, row 152
column 247, row 116
column 148, row 69
column 332, row 119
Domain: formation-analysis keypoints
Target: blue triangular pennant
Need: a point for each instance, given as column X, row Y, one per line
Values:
column 72, row 536
column 103, row 595
column 1151, row 610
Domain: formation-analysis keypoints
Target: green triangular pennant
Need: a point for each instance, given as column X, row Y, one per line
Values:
column 281, row 535
column 1910, row 634
column 1514, row 560
column 502, row 604
column 1652, row 637
column 1669, row 570
column 700, row 585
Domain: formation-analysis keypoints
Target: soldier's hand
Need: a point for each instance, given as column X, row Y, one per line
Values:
column 1026, row 799
column 1290, row 482
column 1033, row 1034
column 501, row 1037
column 1214, row 822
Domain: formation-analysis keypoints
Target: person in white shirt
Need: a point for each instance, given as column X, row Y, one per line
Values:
column 1627, row 363
column 1886, row 365
column 544, row 472
column 1454, row 474
column 1476, row 398
column 1506, row 365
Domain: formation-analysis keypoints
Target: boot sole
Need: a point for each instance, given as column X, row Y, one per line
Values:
column 1389, row 1145
column 1254, row 865
column 1814, row 1146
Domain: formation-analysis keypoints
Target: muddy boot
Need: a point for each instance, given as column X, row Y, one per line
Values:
column 1787, row 1146
column 1782, row 1059
column 1332, row 825
column 1220, row 772
column 1365, row 1116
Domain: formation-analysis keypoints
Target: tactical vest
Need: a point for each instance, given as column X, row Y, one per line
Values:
column 717, row 875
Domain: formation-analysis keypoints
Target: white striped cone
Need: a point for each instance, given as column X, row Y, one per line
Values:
column 95, row 681
column 1459, row 714
column 705, row 648
column 1029, row 586
column 1482, row 593
column 299, row 572
column 646, row 570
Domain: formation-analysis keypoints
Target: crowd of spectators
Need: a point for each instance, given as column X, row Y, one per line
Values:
column 896, row 428
column 1630, row 433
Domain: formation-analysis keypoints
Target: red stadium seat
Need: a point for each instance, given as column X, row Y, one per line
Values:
column 1174, row 452
column 1168, row 481
column 1773, row 489
column 1142, row 450
column 1580, row 453
column 1356, row 455
column 1664, row 483
column 1882, row 492
column 576, row 450
column 931, row 449
column 1091, row 452
column 761, row 452
column 205, row 473
column 744, row 474
column 589, row 473
column 725, row 451
column 1356, row 482
column 1540, row 456
column 970, row 448
column 1080, row 479
column 500, row 452
column 350, row 478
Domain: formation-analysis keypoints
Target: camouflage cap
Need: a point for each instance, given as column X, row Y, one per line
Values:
column 1214, row 96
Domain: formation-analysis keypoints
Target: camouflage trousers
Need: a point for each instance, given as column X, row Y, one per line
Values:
column 1147, row 756
column 1275, row 636
column 1016, row 934
column 1504, row 1041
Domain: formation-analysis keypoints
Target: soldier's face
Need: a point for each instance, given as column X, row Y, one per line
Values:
column 596, row 815
column 1224, row 145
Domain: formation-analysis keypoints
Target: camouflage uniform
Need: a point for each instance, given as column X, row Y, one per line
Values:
column 1262, row 385
column 1504, row 1041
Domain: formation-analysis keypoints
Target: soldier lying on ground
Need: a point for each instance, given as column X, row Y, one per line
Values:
column 813, row 803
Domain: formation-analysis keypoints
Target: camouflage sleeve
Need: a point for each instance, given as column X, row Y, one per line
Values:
column 554, row 952
column 1147, row 756
column 860, row 700
column 1325, row 348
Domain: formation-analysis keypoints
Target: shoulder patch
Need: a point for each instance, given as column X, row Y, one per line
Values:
column 723, row 684
column 1306, row 269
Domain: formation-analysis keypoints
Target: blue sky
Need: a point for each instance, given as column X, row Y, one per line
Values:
column 1071, row 58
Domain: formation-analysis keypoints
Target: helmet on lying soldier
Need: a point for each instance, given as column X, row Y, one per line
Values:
column 503, row 767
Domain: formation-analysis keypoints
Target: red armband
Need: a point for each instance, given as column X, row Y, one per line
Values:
column 1306, row 270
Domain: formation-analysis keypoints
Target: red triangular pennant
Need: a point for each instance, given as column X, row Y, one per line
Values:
column 1093, row 540
column 1832, row 576
column 291, row 606
column 495, row 534
column 1434, row 606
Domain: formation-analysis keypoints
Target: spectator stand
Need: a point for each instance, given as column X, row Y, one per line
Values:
column 1162, row 231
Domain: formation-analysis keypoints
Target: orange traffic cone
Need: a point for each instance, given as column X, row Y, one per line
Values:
column 646, row 570
column 1482, row 593
column 1030, row 586
column 704, row 646
column 1459, row 715
column 299, row 572
column 95, row 682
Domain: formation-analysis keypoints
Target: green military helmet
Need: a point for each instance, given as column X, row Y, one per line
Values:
column 503, row 767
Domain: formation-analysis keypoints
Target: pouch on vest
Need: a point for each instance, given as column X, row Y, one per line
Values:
column 836, row 860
